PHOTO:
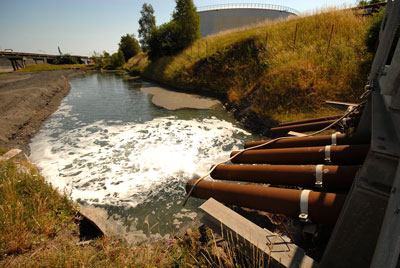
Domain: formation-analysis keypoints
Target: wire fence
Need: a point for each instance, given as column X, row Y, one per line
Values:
column 204, row 49
column 249, row 6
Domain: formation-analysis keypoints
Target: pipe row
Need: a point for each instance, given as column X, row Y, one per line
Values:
column 322, row 207
column 327, row 176
column 311, row 120
column 276, row 131
column 341, row 139
column 342, row 155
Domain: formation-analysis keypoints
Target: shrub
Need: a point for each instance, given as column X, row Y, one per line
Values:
column 129, row 46
column 66, row 59
column 117, row 59
column 172, row 37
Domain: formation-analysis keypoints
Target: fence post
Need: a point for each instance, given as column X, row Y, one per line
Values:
column 330, row 39
column 295, row 35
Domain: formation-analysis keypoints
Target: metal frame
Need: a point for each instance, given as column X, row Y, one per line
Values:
column 368, row 230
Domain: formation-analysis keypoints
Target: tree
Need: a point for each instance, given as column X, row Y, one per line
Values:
column 147, row 23
column 117, row 59
column 162, row 41
column 188, row 23
column 129, row 46
column 172, row 37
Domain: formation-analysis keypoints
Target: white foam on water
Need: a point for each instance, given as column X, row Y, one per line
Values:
column 120, row 164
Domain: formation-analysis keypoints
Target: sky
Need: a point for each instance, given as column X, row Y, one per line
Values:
column 80, row 27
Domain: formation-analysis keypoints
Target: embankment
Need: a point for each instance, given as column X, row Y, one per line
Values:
column 27, row 100
column 275, row 72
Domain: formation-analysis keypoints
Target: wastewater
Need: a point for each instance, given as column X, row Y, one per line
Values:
column 111, row 149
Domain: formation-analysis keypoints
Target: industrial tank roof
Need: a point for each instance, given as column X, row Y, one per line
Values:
column 249, row 6
column 218, row 18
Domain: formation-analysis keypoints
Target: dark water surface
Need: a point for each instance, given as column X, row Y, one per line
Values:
column 110, row 147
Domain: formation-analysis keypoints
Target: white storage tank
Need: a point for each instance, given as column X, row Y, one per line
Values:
column 217, row 18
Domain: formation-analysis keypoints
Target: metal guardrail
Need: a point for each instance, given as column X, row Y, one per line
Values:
column 249, row 6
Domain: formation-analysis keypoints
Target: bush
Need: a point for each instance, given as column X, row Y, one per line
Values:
column 162, row 41
column 172, row 37
column 117, row 59
column 66, row 59
column 129, row 46
column 372, row 39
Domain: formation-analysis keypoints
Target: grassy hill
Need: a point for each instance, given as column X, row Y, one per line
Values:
column 273, row 70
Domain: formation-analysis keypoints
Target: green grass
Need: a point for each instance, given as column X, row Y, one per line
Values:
column 53, row 67
column 266, row 64
column 30, row 210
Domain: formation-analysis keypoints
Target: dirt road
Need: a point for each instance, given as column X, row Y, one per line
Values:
column 26, row 101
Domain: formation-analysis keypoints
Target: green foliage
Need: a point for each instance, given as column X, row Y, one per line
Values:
column 172, row 37
column 101, row 60
column 117, row 59
column 372, row 39
column 66, row 59
column 366, row 2
column 52, row 67
column 147, row 23
column 129, row 46
column 188, row 23
column 31, row 211
column 162, row 41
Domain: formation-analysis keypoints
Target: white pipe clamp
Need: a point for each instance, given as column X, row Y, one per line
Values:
column 304, row 205
column 334, row 139
column 319, row 175
column 328, row 154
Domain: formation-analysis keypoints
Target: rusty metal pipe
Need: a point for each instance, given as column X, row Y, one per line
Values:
column 304, row 127
column 341, row 139
column 341, row 155
column 311, row 120
column 332, row 177
column 322, row 207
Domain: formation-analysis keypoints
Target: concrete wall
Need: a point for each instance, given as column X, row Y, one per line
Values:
column 215, row 21
column 5, row 65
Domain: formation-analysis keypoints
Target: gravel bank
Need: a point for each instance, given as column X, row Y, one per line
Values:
column 26, row 101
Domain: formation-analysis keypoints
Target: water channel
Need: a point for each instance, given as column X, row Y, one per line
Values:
column 111, row 148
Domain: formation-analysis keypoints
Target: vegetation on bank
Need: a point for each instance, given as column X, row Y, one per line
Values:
column 52, row 67
column 128, row 48
column 276, row 69
column 31, row 212
column 39, row 228
column 172, row 37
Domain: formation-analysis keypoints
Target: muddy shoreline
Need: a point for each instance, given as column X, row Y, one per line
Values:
column 242, row 112
column 26, row 101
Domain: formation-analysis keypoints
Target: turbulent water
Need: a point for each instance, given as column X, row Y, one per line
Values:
column 108, row 146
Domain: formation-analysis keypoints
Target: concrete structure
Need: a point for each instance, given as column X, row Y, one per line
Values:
column 217, row 18
column 10, row 60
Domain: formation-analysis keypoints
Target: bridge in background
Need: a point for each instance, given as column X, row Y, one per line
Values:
column 18, row 60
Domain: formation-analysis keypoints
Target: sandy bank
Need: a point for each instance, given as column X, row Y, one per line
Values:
column 172, row 100
column 26, row 101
